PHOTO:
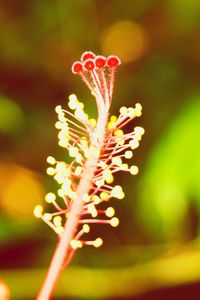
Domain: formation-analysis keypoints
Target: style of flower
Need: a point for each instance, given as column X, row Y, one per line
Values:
column 98, row 149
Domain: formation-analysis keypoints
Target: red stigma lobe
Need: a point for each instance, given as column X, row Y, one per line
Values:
column 77, row 67
column 89, row 64
column 87, row 55
column 100, row 61
column 113, row 61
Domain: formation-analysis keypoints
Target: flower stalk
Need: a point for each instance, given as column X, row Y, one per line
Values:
column 97, row 148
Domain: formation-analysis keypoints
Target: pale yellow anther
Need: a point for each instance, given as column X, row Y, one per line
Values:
column 86, row 152
column 72, row 97
column 66, row 185
column 60, row 166
column 138, row 109
column 38, row 211
column 50, row 197
column 72, row 195
column 58, row 109
column 120, row 140
column 104, row 196
column 96, row 199
column 58, row 125
column 106, row 173
column 78, row 158
column 117, row 192
column 134, row 170
column 107, row 176
column 51, row 171
column 47, row 217
column 63, row 138
column 110, row 179
column 121, row 196
column 111, row 125
column 78, row 171
column 75, row 244
column 59, row 229
column 123, row 110
column 86, row 228
column 118, row 132
column 117, row 161
column 131, row 112
column 65, row 127
column 57, row 221
column 73, row 151
column 124, row 167
column 84, row 142
column 128, row 154
column 134, row 144
column 63, row 143
column 139, row 130
column 99, row 183
column 92, row 210
column 51, row 160
column 110, row 212
column 61, row 193
column 73, row 102
column 61, row 117
column 98, row 242
column 86, row 198
column 114, row 222
column 102, row 164
column 79, row 114
column 92, row 122
column 113, row 119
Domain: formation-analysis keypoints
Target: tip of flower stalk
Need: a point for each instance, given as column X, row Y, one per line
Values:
column 98, row 73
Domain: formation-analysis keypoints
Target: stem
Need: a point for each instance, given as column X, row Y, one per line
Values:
column 63, row 247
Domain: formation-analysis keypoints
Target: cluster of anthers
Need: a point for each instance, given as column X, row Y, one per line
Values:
column 98, row 149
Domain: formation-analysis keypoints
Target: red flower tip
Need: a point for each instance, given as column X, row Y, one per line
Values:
column 100, row 61
column 87, row 55
column 77, row 67
column 113, row 61
column 89, row 64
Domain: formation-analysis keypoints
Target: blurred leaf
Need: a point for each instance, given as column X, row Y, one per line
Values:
column 11, row 115
column 84, row 283
column 172, row 175
column 185, row 14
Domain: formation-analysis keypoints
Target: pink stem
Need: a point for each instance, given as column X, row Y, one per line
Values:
column 71, row 226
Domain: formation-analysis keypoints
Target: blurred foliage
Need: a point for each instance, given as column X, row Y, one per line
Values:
column 170, row 184
column 156, row 243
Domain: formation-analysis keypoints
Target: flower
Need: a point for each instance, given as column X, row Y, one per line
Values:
column 98, row 149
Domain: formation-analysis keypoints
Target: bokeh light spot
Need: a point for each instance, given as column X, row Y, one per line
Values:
column 20, row 191
column 11, row 115
column 4, row 292
column 126, row 39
